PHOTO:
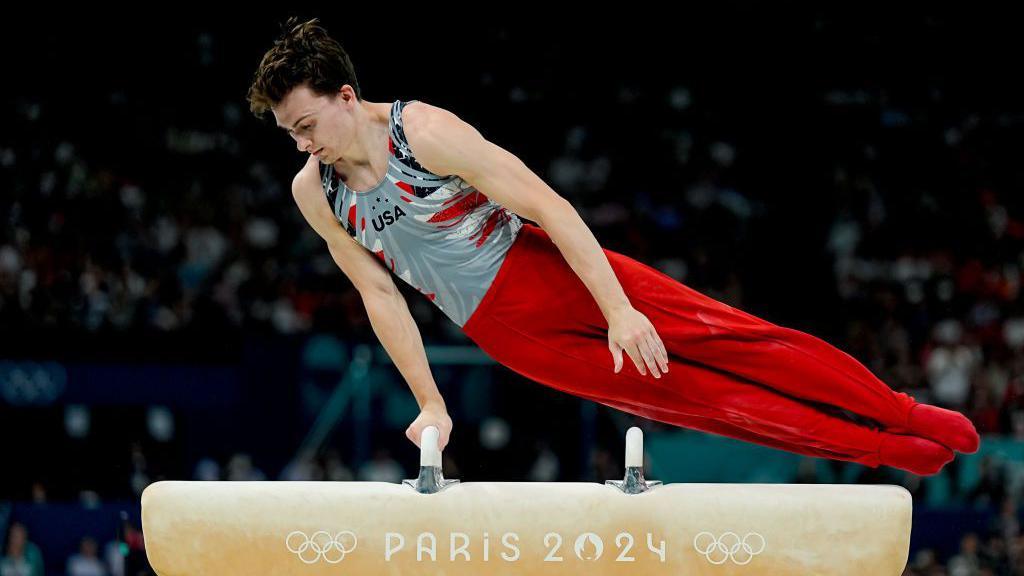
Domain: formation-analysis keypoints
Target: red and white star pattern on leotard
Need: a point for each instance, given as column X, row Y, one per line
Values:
column 452, row 206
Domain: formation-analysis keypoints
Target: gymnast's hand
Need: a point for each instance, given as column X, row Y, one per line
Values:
column 630, row 330
column 431, row 414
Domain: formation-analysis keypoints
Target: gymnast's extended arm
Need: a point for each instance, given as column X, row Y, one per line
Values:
column 444, row 144
column 385, row 306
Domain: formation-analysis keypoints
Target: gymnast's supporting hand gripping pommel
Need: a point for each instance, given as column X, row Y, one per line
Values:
column 430, row 480
column 633, row 482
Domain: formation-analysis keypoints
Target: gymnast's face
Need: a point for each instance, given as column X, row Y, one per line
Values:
column 323, row 124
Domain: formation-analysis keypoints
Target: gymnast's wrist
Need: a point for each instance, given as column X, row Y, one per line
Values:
column 434, row 405
column 618, row 308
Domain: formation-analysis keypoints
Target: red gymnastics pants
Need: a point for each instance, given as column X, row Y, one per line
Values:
column 730, row 373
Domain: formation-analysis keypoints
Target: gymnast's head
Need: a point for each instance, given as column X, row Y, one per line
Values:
column 307, row 81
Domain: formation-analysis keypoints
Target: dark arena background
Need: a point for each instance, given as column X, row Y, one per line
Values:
column 167, row 314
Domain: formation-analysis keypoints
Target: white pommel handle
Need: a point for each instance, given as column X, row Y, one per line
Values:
column 430, row 455
column 634, row 447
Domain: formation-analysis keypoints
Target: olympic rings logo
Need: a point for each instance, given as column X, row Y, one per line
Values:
column 718, row 550
column 321, row 546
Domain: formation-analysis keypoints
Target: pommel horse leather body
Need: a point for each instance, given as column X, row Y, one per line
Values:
column 482, row 528
column 437, row 526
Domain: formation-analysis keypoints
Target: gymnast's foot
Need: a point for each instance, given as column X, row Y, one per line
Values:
column 949, row 428
column 918, row 455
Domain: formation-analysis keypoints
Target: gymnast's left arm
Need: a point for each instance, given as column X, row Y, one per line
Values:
column 445, row 144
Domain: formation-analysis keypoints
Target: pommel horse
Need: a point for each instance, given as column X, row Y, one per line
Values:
column 431, row 525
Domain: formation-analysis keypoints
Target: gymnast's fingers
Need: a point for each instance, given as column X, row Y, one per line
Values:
column 412, row 433
column 664, row 351
column 659, row 350
column 634, row 354
column 616, row 351
column 648, row 354
column 446, row 433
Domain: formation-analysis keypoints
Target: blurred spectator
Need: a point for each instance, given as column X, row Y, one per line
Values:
column 336, row 470
column 546, row 466
column 994, row 555
column 991, row 487
column 240, row 468
column 207, row 469
column 86, row 562
column 967, row 562
column 382, row 468
column 38, row 493
column 603, row 465
column 21, row 557
column 304, row 467
column 807, row 471
column 924, row 562
column 114, row 557
column 134, row 559
column 1007, row 525
column 950, row 365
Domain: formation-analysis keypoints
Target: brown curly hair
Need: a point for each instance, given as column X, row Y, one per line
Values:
column 303, row 54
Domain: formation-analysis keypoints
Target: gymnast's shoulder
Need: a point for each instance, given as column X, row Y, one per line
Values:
column 307, row 180
column 441, row 141
column 307, row 191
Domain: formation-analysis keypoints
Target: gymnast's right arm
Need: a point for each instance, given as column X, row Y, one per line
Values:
column 385, row 306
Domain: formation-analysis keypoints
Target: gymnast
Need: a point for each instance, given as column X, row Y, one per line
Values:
column 409, row 190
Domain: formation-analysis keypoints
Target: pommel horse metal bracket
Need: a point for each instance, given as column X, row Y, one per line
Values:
column 633, row 482
column 435, row 526
column 431, row 479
